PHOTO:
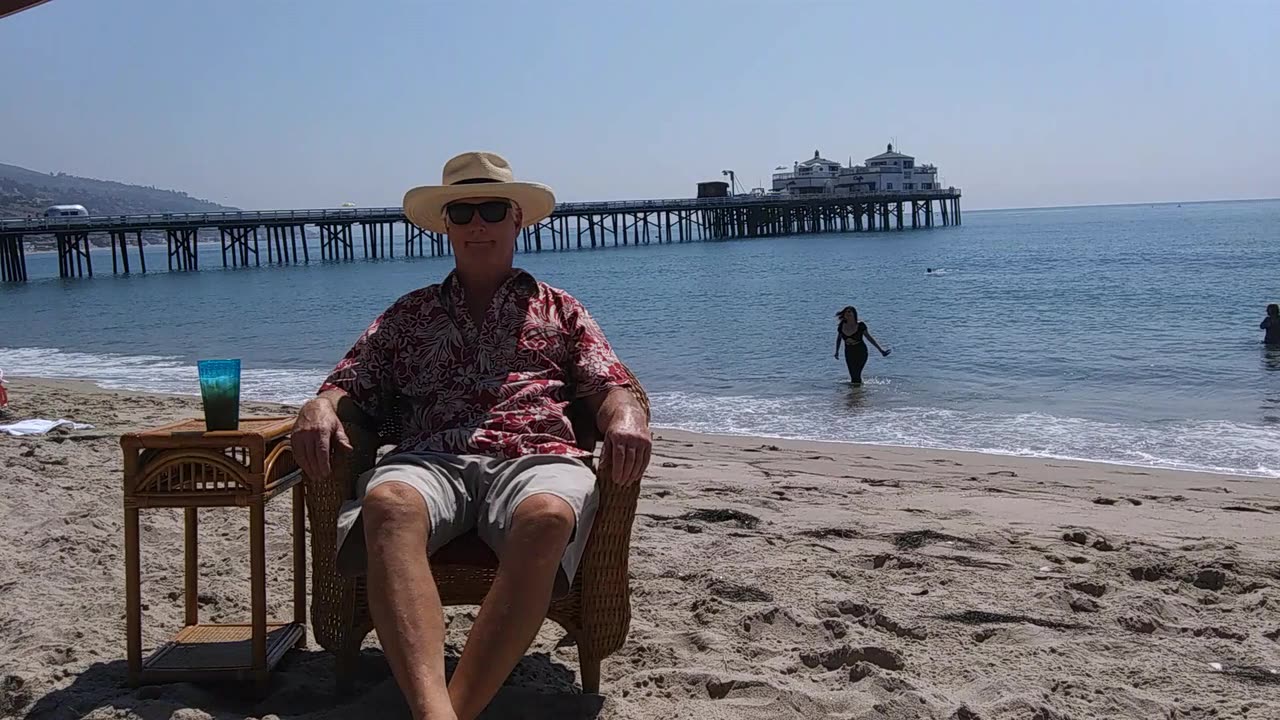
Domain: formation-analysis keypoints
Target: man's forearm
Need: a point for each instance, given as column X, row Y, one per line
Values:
column 619, row 406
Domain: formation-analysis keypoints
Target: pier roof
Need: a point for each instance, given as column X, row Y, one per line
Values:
column 891, row 155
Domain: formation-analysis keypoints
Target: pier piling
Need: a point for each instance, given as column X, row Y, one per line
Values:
column 13, row 259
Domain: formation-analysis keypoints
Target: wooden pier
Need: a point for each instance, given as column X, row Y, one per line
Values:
column 254, row 238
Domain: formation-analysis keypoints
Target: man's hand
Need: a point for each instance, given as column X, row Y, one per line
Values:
column 627, row 440
column 627, row 447
column 316, row 433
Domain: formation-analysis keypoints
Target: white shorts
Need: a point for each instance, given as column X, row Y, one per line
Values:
column 475, row 492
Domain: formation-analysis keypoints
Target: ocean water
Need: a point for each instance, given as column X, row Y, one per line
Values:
column 1122, row 334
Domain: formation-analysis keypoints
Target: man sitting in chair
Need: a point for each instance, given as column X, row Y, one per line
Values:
column 486, row 363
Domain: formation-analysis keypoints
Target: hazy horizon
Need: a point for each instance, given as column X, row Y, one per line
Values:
column 284, row 105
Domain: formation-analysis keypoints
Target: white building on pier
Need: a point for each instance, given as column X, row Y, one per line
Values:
column 890, row 171
column 815, row 175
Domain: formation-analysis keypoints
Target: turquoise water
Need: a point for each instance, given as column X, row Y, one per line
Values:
column 1123, row 334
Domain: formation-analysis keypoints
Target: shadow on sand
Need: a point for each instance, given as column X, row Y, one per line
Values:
column 302, row 687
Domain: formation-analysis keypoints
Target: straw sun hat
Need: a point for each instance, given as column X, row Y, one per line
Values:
column 476, row 174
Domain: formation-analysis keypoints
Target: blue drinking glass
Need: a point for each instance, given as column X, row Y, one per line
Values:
column 220, row 391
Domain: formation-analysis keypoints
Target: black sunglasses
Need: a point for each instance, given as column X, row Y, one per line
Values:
column 491, row 211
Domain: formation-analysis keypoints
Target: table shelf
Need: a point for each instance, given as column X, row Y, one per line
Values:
column 207, row 651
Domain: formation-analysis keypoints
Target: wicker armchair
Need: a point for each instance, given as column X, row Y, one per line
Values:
column 596, row 611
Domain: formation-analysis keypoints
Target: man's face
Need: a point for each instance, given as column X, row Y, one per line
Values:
column 481, row 242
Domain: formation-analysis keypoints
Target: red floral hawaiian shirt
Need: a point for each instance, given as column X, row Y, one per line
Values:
column 499, row 390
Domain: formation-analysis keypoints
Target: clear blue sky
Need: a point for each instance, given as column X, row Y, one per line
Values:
column 309, row 104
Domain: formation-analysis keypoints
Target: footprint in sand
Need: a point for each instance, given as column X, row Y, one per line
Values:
column 846, row 656
column 1151, row 573
column 1089, row 587
column 735, row 592
column 982, row 617
column 874, row 618
column 835, row 628
column 1162, row 498
column 1142, row 624
column 1210, row 579
column 824, row 533
column 719, row 515
column 1080, row 537
column 919, row 538
column 1084, row 605
column 1003, row 473
column 888, row 561
column 721, row 689
column 1214, row 631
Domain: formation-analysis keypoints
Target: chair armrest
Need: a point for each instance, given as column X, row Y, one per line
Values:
column 605, row 571
column 605, row 574
column 333, row 596
column 325, row 497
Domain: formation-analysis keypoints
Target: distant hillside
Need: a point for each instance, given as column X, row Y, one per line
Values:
column 26, row 192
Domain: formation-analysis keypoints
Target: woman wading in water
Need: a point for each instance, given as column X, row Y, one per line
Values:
column 851, row 333
column 1272, row 325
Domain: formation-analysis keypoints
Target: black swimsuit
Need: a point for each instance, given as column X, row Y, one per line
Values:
column 855, row 351
column 1272, row 326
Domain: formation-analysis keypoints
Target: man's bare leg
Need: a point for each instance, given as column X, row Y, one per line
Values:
column 403, row 599
column 516, row 604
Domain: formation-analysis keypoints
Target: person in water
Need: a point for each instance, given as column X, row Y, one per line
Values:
column 852, row 333
column 1272, row 325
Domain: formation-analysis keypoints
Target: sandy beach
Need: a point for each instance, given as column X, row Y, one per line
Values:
column 771, row 580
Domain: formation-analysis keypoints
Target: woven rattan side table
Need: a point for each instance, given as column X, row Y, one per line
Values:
column 183, row 465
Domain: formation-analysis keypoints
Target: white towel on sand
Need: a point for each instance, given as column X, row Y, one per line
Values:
column 36, row 426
